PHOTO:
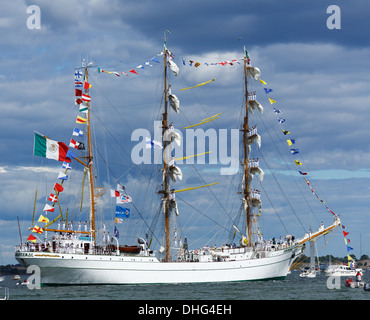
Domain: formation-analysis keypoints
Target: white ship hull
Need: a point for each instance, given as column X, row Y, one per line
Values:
column 343, row 271
column 74, row 269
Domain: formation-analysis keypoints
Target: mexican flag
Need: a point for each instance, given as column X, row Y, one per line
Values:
column 47, row 148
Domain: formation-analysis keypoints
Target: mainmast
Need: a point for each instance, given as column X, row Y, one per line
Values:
column 245, row 136
column 90, row 162
column 165, row 143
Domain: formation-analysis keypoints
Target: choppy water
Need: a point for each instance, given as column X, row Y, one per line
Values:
column 292, row 288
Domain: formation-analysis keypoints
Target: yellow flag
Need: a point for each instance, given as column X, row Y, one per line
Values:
column 297, row 163
column 37, row 229
column 209, row 119
column 272, row 101
column 43, row 219
column 290, row 142
column 349, row 257
column 199, row 84
column 263, row 82
column 81, row 120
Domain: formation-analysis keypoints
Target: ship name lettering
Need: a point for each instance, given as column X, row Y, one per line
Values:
column 215, row 309
column 24, row 254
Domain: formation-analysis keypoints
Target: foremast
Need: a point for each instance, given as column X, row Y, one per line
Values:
column 90, row 162
column 165, row 174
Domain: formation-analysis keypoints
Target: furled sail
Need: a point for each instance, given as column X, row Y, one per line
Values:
column 253, row 168
column 174, row 102
column 254, row 73
column 256, row 170
column 171, row 135
column 255, row 138
column 172, row 204
column 253, row 104
column 255, row 199
column 175, row 172
column 173, row 66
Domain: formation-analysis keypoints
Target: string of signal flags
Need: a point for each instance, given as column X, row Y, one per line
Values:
column 295, row 151
column 292, row 143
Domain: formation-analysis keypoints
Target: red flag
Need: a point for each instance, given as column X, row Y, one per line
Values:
column 85, row 97
column 87, row 85
column 53, row 198
column 114, row 193
column 31, row 238
column 58, row 187
column 133, row 71
column 78, row 92
column 78, row 101
column 345, row 233
column 48, row 207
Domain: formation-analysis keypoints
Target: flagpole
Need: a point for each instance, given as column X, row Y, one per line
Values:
column 19, row 229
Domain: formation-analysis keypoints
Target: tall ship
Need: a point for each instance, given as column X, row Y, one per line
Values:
column 70, row 253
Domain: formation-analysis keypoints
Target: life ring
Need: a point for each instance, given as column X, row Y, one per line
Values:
column 196, row 251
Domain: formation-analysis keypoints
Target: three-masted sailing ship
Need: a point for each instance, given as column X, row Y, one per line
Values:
column 77, row 257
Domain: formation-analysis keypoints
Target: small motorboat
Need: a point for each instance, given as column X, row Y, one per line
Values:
column 354, row 284
column 25, row 282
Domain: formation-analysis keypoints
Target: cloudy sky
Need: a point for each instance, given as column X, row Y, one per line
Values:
column 319, row 78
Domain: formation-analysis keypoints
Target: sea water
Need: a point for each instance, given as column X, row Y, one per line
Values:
column 292, row 288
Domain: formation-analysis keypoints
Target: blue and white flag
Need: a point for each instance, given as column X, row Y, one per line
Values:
column 155, row 59
column 122, row 212
column 281, row 120
column 66, row 165
column 277, row 110
column 152, row 144
column 78, row 74
column 62, row 176
column 294, row 151
column 77, row 132
column 123, row 198
column 116, row 232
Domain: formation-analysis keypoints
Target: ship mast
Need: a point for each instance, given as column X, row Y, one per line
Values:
column 165, row 143
column 90, row 163
column 245, row 132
